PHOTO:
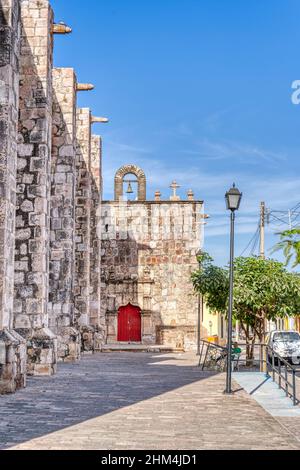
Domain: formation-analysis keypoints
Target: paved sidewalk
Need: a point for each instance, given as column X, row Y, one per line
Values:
column 267, row 394
column 136, row 401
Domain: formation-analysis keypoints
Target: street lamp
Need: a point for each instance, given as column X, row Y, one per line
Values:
column 233, row 199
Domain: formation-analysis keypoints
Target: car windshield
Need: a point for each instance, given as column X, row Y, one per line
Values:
column 286, row 336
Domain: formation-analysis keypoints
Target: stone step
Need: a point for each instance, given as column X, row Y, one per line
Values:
column 149, row 348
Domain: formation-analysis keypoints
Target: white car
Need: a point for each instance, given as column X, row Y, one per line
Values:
column 286, row 344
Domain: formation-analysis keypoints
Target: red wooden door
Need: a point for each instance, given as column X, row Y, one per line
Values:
column 129, row 324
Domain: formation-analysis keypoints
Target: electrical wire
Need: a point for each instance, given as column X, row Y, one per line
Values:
column 277, row 221
column 287, row 220
column 256, row 234
column 255, row 244
column 296, row 207
column 282, row 221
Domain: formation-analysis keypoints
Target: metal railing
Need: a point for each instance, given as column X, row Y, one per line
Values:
column 216, row 353
column 214, row 357
column 285, row 371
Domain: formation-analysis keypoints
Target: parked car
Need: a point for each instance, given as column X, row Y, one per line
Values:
column 286, row 344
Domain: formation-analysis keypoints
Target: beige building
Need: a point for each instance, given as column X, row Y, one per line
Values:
column 213, row 324
column 148, row 254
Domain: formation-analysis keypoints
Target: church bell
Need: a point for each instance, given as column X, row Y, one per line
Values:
column 129, row 189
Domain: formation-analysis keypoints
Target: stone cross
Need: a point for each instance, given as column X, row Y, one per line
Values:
column 174, row 186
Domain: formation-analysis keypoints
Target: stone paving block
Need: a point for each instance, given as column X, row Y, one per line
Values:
column 138, row 401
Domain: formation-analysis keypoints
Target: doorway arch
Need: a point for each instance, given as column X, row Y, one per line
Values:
column 129, row 324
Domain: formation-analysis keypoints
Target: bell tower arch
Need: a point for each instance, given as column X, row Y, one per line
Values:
column 141, row 181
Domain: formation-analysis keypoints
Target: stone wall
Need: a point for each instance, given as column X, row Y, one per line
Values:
column 62, row 242
column 148, row 254
column 9, row 96
column 12, row 346
column 33, row 186
column 83, row 228
column 48, row 165
column 95, row 253
column 33, row 176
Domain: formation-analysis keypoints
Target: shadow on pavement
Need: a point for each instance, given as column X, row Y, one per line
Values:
column 98, row 385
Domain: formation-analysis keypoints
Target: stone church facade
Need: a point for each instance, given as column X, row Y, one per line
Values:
column 56, row 301
column 149, row 251
column 50, row 196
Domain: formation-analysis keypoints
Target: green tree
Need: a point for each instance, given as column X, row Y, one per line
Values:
column 263, row 290
column 213, row 283
column 290, row 245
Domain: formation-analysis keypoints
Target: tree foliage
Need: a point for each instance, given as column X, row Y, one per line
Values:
column 213, row 283
column 263, row 290
column 290, row 245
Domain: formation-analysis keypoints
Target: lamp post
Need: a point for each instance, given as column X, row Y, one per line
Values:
column 199, row 253
column 233, row 199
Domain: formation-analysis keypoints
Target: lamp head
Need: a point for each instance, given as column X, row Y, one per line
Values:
column 233, row 199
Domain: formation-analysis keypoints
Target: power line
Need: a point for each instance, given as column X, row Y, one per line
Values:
column 288, row 217
column 282, row 222
column 296, row 207
column 255, row 243
column 252, row 240
column 275, row 218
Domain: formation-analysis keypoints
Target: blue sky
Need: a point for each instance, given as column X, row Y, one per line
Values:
column 198, row 91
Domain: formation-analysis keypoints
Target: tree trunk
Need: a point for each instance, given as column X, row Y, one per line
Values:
column 250, row 343
column 250, row 350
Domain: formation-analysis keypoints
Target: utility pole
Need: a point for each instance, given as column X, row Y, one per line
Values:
column 262, row 229
column 262, row 223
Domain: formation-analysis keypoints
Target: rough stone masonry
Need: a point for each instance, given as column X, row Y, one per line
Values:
column 149, row 251
column 62, row 211
column 56, row 301
column 12, row 346
column 39, row 185
column 33, row 187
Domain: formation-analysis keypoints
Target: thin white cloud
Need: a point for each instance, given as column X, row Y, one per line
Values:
column 214, row 231
column 208, row 149
column 214, row 121
column 118, row 147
